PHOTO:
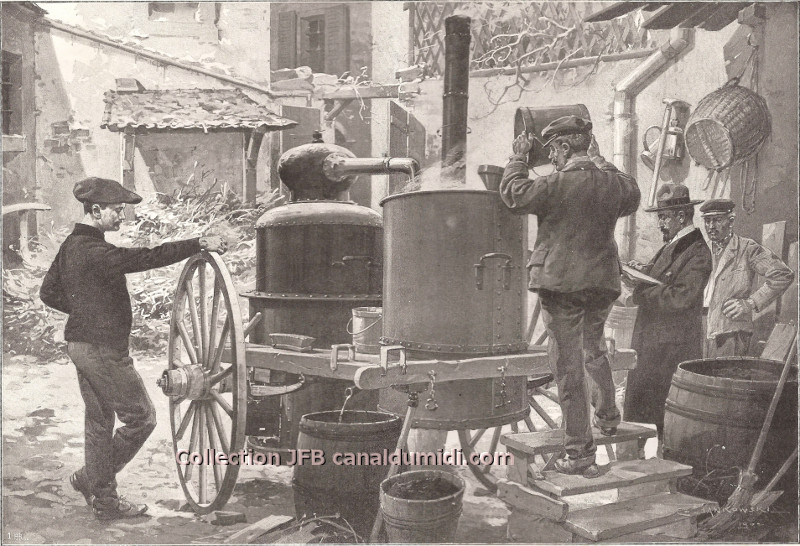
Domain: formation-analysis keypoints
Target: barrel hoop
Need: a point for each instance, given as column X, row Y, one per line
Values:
column 418, row 522
column 730, row 392
column 708, row 417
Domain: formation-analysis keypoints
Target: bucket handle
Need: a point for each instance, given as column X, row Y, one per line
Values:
column 350, row 322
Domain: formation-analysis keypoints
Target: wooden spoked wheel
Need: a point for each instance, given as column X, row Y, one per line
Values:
column 469, row 444
column 208, row 397
column 469, row 438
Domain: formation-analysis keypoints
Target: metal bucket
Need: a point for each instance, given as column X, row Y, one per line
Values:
column 366, row 329
column 533, row 120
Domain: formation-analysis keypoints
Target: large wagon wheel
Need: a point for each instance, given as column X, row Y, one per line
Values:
column 208, row 398
column 469, row 438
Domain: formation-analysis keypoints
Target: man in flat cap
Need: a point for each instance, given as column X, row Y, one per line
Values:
column 669, row 323
column 729, row 296
column 87, row 281
column 574, row 268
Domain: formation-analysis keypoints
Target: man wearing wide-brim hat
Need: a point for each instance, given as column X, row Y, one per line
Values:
column 87, row 281
column 668, row 328
column 729, row 296
column 574, row 268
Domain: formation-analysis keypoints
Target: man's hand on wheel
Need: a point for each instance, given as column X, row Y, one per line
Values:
column 213, row 243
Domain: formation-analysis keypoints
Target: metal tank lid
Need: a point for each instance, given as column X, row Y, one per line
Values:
column 437, row 191
column 320, row 212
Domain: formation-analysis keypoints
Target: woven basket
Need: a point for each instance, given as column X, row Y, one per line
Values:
column 728, row 126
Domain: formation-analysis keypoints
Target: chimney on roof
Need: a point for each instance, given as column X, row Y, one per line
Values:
column 128, row 85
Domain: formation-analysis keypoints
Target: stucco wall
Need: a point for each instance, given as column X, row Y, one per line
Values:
column 74, row 73
column 491, row 128
column 19, row 170
column 235, row 38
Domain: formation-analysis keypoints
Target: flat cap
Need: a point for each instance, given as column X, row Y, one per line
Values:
column 566, row 125
column 103, row 191
column 713, row 207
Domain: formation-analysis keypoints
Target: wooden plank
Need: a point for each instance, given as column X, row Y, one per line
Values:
column 670, row 15
column 643, row 490
column 529, row 528
column 371, row 92
column 779, row 342
column 519, row 496
column 635, row 515
column 269, row 523
column 621, row 360
column 685, row 528
column 614, row 475
column 519, row 364
column 552, row 441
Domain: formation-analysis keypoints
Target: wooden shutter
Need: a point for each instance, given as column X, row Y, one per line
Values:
column 287, row 40
column 406, row 139
column 308, row 121
column 337, row 40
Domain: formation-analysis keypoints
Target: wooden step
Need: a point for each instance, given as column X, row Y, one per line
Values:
column 613, row 476
column 552, row 441
column 635, row 515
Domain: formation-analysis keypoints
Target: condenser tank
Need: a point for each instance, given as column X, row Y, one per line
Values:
column 454, row 276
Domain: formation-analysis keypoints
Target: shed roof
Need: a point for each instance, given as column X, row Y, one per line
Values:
column 188, row 110
column 665, row 15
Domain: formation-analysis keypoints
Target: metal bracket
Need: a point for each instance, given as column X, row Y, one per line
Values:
column 351, row 354
column 507, row 267
column 401, row 352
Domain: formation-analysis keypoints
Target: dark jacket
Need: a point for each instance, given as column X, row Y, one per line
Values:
column 577, row 209
column 87, row 281
column 668, row 327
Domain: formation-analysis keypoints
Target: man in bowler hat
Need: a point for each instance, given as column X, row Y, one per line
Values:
column 574, row 268
column 668, row 327
column 87, row 281
column 729, row 297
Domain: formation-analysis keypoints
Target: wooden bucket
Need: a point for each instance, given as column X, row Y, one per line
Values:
column 412, row 521
column 350, row 490
column 728, row 126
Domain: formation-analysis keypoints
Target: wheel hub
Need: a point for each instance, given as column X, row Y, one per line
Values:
column 188, row 382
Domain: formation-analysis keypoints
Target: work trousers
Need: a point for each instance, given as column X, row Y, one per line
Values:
column 729, row 344
column 576, row 347
column 110, row 387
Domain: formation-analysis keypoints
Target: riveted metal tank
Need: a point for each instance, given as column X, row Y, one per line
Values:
column 317, row 257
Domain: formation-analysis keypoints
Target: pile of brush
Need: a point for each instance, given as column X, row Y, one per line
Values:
column 30, row 327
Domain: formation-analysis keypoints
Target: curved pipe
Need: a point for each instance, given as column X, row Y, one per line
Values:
column 625, row 95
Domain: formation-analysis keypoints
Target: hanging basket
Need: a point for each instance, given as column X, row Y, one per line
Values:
column 727, row 127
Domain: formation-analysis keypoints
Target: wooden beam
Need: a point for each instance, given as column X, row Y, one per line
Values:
column 519, row 496
column 670, row 15
column 127, row 154
column 336, row 109
column 372, row 92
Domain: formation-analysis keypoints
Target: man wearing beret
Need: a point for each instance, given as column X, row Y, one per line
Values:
column 669, row 323
column 87, row 281
column 729, row 297
column 574, row 268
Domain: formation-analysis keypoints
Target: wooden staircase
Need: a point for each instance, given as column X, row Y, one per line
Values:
column 632, row 500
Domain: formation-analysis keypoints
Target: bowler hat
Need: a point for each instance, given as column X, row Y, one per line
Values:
column 566, row 125
column 672, row 196
column 714, row 207
column 103, row 192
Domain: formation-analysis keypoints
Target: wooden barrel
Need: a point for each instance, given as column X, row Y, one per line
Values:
column 714, row 413
column 533, row 119
column 343, row 485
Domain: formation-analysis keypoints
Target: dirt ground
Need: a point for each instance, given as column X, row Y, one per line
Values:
column 43, row 444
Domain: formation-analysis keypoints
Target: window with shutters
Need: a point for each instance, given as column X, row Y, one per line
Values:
column 313, row 36
column 312, row 43
column 12, row 93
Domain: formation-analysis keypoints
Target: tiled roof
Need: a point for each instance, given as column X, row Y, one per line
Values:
column 188, row 109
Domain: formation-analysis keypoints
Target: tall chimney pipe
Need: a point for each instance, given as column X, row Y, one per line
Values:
column 456, row 95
